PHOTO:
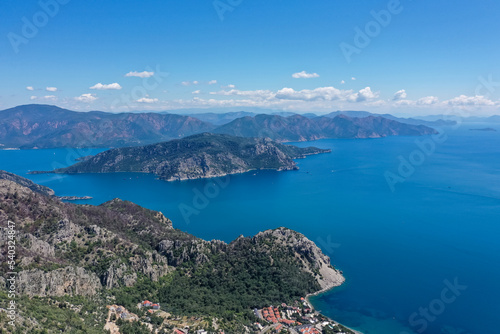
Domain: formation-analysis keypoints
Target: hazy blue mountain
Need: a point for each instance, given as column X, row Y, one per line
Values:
column 221, row 118
column 300, row 128
column 413, row 121
column 46, row 126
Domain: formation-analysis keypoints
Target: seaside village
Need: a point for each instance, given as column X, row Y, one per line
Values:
column 299, row 318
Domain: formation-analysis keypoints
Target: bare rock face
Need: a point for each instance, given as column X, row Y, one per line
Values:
column 40, row 247
column 66, row 231
column 312, row 258
column 65, row 281
column 161, row 217
column 153, row 265
column 114, row 276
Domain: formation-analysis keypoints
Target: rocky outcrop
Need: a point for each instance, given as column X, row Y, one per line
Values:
column 152, row 265
column 40, row 247
column 64, row 281
column 311, row 257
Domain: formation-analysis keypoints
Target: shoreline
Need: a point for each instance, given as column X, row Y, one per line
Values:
column 324, row 290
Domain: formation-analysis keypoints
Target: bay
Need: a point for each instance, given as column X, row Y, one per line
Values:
column 399, row 247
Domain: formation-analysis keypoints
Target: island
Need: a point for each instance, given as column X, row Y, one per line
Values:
column 484, row 129
column 80, row 268
column 204, row 155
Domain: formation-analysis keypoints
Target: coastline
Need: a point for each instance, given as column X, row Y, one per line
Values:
column 159, row 177
column 324, row 290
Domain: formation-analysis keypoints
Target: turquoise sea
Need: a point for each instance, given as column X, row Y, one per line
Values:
column 422, row 257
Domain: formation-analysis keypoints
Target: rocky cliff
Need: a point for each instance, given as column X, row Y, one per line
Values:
column 308, row 255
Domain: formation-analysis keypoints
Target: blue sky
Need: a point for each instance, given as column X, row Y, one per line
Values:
column 424, row 57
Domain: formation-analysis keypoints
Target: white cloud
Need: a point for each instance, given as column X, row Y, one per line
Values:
column 342, row 82
column 404, row 103
column 424, row 101
column 212, row 82
column 147, row 100
column 196, row 92
column 260, row 94
column 189, row 83
column 399, row 95
column 100, row 86
column 30, row 88
column 364, row 95
column 321, row 93
column 377, row 103
column 51, row 89
column 427, row 100
column 86, row 98
column 144, row 74
column 46, row 98
column 353, row 78
column 464, row 100
column 228, row 86
column 304, row 75
column 326, row 94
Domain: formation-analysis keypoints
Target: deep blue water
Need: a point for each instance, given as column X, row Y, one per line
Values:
column 396, row 248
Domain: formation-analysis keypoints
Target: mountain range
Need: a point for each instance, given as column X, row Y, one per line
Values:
column 414, row 121
column 300, row 128
column 45, row 126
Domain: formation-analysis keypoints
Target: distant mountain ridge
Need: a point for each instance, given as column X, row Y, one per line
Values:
column 45, row 126
column 300, row 128
column 413, row 121
column 198, row 156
